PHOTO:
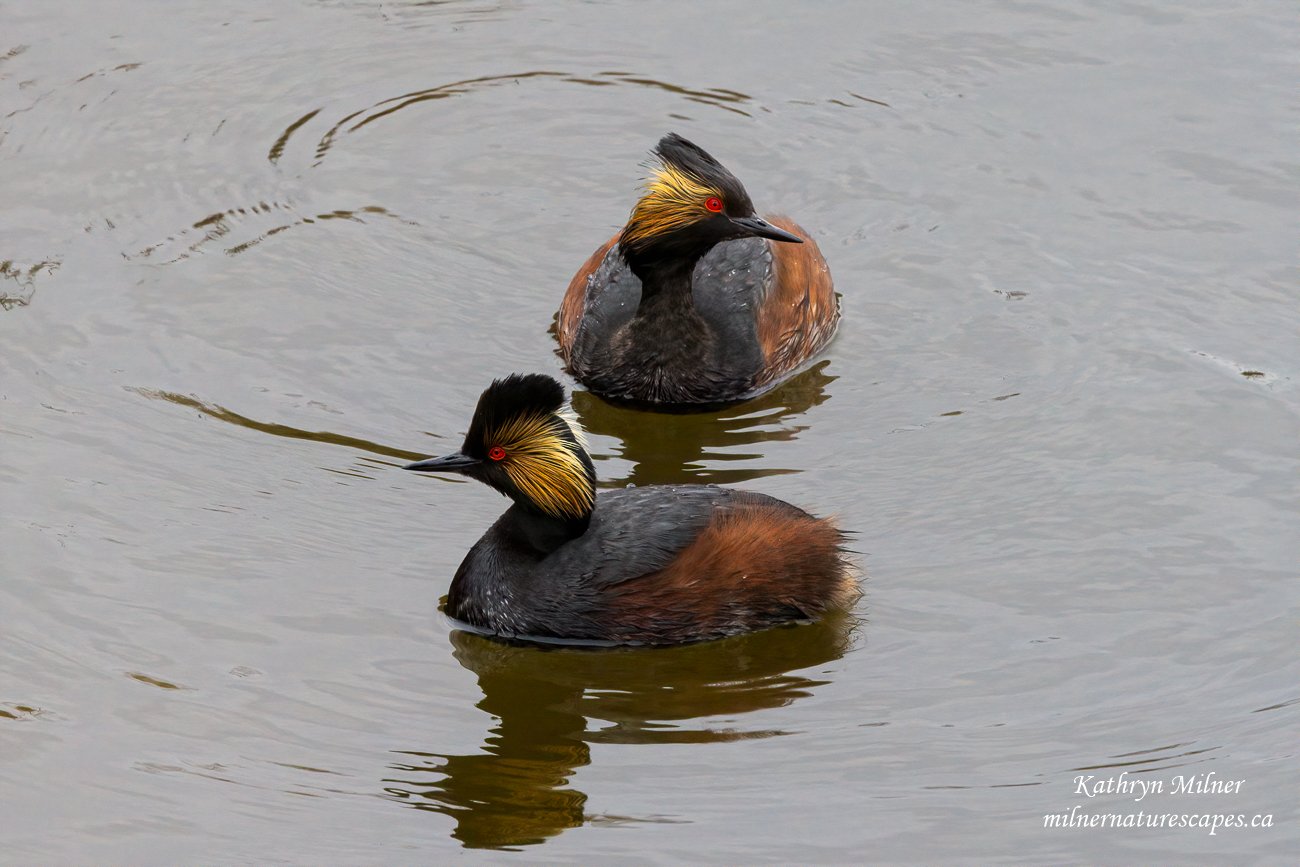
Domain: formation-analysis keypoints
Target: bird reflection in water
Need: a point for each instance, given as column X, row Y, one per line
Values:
column 552, row 703
column 667, row 448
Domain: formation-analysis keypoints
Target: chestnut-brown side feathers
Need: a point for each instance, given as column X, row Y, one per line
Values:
column 575, row 299
column 757, row 563
column 801, row 313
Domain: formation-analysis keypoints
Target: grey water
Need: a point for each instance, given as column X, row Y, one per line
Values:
column 254, row 256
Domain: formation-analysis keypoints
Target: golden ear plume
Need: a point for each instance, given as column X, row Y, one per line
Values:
column 673, row 198
column 544, row 466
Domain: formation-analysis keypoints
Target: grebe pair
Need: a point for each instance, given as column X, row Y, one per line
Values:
column 689, row 305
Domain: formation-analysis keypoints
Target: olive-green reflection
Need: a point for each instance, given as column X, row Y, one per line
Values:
column 552, row 702
column 670, row 448
column 220, row 413
column 22, row 277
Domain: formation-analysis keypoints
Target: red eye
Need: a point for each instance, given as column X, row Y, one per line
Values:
column 496, row 453
column 713, row 203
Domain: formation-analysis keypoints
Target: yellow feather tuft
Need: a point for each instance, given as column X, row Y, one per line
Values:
column 544, row 466
column 575, row 427
column 673, row 198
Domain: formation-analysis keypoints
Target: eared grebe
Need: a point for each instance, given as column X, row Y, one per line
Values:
column 690, row 304
column 653, row 565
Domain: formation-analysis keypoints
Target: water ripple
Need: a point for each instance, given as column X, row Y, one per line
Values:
column 353, row 122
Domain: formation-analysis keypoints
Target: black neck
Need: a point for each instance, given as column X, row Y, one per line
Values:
column 664, row 267
column 541, row 532
column 668, row 331
column 665, row 290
